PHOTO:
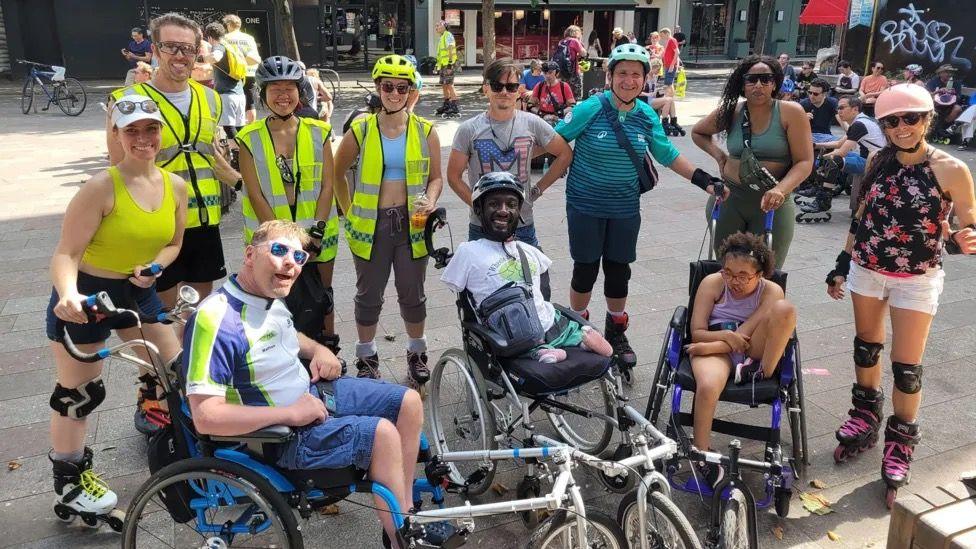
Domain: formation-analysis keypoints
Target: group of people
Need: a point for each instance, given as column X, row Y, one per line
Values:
column 150, row 223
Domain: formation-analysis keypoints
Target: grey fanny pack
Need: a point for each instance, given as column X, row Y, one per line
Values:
column 510, row 312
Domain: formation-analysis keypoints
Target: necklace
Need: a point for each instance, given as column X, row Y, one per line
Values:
column 511, row 133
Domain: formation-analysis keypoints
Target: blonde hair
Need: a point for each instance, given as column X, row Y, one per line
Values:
column 312, row 72
column 279, row 228
column 142, row 66
column 573, row 31
column 666, row 31
column 535, row 64
column 232, row 21
column 656, row 62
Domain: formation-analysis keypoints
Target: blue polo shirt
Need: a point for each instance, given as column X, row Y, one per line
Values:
column 603, row 180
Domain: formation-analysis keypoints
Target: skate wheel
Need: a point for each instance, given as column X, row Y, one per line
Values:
column 799, row 218
column 63, row 513
column 90, row 520
column 827, row 218
column 115, row 519
column 890, row 495
column 628, row 375
column 840, row 454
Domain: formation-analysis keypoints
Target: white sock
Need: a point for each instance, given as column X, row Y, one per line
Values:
column 366, row 349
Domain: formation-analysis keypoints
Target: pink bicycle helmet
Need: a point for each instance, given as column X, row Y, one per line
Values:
column 903, row 98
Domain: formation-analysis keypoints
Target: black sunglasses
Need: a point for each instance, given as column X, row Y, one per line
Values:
column 764, row 77
column 390, row 87
column 170, row 48
column 909, row 118
column 497, row 87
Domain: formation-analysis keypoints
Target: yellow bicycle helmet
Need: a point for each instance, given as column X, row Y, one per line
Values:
column 584, row 65
column 394, row 66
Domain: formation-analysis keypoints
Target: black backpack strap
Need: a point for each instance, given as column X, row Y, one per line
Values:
column 746, row 127
column 526, row 271
column 624, row 143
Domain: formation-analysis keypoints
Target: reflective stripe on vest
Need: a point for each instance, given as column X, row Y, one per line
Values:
column 187, row 150
column 361, row 219
column 312, row 136
column 446, row 55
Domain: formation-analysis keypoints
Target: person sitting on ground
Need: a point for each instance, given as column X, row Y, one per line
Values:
column 493, row 262
column 804, row 78
column 235, row 386
column 530, row 78
column 740, row 326
column 784, row 63
column 551, row 97
column 946, row 92
column 322, row 94
column 912, row 74
column 849, row 82
column 653, row 95
column 820, row 109
column 872, row 86
column 864, row 136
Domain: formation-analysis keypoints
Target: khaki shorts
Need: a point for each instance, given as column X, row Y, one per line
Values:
column 917, row 292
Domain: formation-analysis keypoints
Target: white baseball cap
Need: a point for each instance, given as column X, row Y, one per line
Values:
column 132, row 108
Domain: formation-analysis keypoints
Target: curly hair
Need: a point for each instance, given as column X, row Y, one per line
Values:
column 749, row 246
column 735, row 87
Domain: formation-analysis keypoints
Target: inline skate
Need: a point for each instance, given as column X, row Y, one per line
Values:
column 900, row 440
column 860, row 431
column 81, row 493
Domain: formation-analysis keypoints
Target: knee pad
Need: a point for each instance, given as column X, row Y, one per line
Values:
column 78, row 403
column 908, row 377
column 584, row 276
column 866, row 353
column 616, row 278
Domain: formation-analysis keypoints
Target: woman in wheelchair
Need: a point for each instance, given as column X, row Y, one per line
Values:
column 243, row 373
column 740, row 325
column 488, row 265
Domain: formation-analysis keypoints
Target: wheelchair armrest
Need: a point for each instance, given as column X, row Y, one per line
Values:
column 572, row 315
column 680, row 317
column 271, row 434
column 495, row 341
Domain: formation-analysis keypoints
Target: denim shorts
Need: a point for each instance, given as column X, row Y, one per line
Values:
column 124, row 295
column 669, row 77
column 525, row 233
column 591, row 238
column 346, row 437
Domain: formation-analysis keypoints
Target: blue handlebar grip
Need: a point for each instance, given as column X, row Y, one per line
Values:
column 91, row 300
column 716, row 209
column 161, row 317
column 768, row 221
column 153, row 270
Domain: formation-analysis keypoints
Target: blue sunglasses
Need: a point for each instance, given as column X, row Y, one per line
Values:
column 281, row 250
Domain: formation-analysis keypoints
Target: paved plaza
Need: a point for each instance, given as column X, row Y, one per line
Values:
column 45, row 157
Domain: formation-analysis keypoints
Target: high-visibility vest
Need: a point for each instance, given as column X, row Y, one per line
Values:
column 446, row 55
column 307, row 166
column 361, row 219
column 187, row 147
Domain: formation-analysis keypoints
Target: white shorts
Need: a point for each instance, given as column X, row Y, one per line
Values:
column 233, row 110
column 918, row 292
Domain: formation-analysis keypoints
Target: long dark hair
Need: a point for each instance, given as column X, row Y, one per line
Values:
column 735, row 87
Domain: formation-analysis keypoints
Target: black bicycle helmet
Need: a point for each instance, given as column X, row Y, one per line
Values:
column 279, row 68
column 497, row 181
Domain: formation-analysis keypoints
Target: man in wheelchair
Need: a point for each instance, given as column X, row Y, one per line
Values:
column 244, row 372
column 498, row 262
column 740, row 326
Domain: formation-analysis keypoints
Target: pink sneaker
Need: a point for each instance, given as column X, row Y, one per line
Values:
column 595, row 342
column 547, row 355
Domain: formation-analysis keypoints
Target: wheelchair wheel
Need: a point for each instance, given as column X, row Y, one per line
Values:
column 667, row 526
column 235, row 507
column 591, row 435
column 559, row 530
column 459, row 419
column 733, row 533
column 660, row 384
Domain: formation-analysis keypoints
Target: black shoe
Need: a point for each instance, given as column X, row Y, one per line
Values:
column 417, row 367
column 712, row 473
column 747, row 371
column 368, row 366
column 614, row 331
column 964, row 145
column 443, row 108
column 332, row 342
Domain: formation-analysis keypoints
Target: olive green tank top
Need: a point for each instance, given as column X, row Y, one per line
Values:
column 771, row 144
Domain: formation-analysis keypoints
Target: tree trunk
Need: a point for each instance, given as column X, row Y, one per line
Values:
column 488, row 30
column 286, row 29
column 764, row 23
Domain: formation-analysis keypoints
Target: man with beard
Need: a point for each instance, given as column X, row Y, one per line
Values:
column 237, row 386
column 190, row 112
column 503, row 139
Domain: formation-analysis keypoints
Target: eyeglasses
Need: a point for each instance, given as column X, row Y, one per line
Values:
column 741, row 279
column 170, row 48
column 390, row 87
column 497, row 87
column 281, row 250
column 147, row 106
column 909, row 118
column 287, row 176
column 764, row 77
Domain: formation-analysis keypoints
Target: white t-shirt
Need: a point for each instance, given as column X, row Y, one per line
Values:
column 483, row 266
column 180, row 100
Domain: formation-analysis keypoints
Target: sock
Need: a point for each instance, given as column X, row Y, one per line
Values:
column 582, row 312
column 72, row 457
column 367, row 349
column 595, row 342
column 417, row 345
column 549, row 355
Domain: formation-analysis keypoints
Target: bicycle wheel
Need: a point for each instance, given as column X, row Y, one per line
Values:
column 71, row 97
column 234, row 506
column 590, row 435
column 332, row 81
column 27, row 95
column 667, row 526
column 733, row 532
column 459, row 419
column 559, row 530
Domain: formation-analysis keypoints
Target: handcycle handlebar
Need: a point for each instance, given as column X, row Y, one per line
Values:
column 437, row 219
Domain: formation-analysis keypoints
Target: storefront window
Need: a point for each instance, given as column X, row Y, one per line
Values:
column 708, row 28
column 526, row 34
column 531, row 35
column 355, row 33
column 811, row 38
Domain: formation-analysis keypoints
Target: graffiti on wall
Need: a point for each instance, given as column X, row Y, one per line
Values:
column 930, row 41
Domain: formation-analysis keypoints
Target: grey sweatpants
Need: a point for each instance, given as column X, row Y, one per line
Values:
column 391, row 248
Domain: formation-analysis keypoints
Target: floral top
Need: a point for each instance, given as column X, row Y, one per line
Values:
column 901, row 228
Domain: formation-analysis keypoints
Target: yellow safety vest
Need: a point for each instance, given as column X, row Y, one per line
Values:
column 446, row 55
column 361, row 219
column 312, row 137
column 187, row 147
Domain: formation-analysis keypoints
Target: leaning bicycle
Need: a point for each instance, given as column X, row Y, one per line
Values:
column 67, row 93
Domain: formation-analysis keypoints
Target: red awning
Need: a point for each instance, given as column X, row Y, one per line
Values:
column 825, row 12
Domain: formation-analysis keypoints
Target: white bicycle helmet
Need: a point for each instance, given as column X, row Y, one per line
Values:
column 630, row 52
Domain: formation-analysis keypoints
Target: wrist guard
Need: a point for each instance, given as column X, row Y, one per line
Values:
column 701, row 179
column 951, row 246
column 841, row 268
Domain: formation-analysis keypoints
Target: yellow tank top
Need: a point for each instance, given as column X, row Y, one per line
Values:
column 129, row 235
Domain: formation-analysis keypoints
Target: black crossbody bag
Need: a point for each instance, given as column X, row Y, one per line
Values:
column 646, row 172
column 510, row 312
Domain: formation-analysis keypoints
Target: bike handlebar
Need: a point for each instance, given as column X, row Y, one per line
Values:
column 34, row 63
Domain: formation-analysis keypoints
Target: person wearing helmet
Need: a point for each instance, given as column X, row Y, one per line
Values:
column 787, row 90
column 397, row 186
column 551, row 97
column 780, row 156
column 287, row 165
column 893, row 261
column 503, row 138
column 494, row 261
column 603, row 187
column 913, row 74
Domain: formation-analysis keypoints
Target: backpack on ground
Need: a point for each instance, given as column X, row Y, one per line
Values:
column 236, row 63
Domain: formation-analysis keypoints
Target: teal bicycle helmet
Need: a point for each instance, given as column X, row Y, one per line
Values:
column 630, row 52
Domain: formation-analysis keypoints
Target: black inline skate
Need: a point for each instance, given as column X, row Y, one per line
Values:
column 614, row 330
column 860, row 431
